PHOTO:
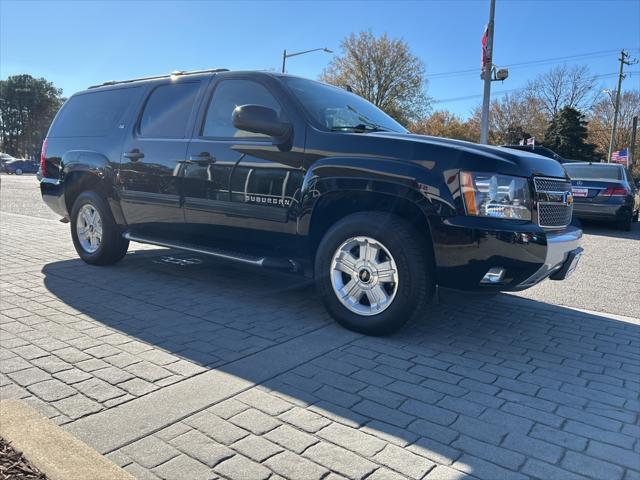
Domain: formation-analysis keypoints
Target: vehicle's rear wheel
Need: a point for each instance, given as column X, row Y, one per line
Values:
column 636, row 216
column 374, row 272
column 18, row 171
column 95, row 234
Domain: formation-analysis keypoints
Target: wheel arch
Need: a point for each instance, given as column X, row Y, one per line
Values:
column 79, row 181
column 332, row 207
column 87, row 170
column 336, row 187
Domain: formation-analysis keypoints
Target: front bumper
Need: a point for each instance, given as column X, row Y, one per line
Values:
column 466, row 248
column 563, row 253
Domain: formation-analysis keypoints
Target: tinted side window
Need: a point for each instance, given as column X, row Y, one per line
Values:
column 93, row 114
column 167, row 111
column 226, row 97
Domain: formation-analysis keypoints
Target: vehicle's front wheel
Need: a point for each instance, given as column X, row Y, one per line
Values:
column 374, row 272
column 18, row 171
column 95, row 234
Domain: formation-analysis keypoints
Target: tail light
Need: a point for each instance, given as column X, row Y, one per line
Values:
column 614, row 192
column 43, row 158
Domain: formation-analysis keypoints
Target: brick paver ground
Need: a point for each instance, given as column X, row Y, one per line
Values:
column 196, row 369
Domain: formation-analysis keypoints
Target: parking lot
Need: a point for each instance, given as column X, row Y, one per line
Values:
column 180, row 367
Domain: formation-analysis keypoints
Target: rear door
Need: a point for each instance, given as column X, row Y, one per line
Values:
column 154, row 156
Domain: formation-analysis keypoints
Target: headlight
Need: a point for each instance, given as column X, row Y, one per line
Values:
column 500, row 196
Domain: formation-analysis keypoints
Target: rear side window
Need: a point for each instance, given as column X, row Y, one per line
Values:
column 93, row 114
column 167, row 111
column 228, row 95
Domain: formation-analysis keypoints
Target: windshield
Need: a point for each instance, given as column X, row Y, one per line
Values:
column 336, row 109
column 589, row 172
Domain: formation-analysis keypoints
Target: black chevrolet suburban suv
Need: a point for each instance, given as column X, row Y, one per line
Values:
column 282, row 172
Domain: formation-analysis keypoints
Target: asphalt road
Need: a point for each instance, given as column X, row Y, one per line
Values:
column 607, row 279
column 21, row 194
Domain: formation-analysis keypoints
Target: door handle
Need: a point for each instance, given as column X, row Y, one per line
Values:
column 202, row 157
column 133, row 155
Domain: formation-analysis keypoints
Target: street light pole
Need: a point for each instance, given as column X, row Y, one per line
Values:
column 286, row 55
column 484, row 126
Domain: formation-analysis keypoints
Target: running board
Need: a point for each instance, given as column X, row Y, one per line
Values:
column 283, row 264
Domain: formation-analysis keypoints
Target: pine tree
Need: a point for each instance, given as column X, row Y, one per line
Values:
column 567, row 136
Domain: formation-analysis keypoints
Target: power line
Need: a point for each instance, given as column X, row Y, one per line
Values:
column 510, row 90
column 540, row 62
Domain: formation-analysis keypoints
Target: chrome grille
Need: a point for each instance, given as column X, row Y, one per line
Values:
column 552, row 195
column 544, row 184
column 554, row 215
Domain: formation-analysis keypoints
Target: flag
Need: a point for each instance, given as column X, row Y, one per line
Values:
column 522, row 142
column 485, row 37
column 531, row 141
column 620, row 156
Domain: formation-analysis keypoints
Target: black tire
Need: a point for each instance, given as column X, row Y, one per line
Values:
column 626, row 222
column 413, row 258
column 636, row 216
column 112, row 246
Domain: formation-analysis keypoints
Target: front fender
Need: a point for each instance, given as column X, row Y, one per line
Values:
column 380, row 175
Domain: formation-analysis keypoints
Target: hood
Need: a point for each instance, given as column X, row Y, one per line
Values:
column 474, row 156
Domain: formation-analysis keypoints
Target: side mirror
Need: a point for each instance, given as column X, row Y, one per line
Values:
column 259, row 119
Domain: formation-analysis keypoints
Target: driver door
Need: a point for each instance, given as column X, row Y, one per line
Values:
column 235, row 181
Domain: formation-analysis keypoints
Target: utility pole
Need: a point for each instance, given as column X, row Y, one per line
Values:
column 623, row 61
column 484, row 126
column 632, row 147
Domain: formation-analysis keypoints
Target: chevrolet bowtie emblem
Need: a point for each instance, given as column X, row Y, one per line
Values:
column 568, row 198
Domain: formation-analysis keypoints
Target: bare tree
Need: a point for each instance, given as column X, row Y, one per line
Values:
column 510, row 113
column 443, row 123
column 516, row 110
column 382, row 70
column 564, row 86
column 601, row 120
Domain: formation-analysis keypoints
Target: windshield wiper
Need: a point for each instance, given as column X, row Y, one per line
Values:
column 361, row 127
column 366, row 123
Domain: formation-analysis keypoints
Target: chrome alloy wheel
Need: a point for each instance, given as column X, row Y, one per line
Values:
column 89, row 228
column 364, row 276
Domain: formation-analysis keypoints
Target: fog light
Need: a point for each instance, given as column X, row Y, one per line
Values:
column 494, row 275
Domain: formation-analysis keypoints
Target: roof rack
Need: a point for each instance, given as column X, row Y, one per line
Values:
column 175, row 73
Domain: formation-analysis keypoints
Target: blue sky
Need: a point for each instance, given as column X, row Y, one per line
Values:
column 80, row 43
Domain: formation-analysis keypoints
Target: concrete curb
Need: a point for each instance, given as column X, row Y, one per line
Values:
column 55, row 452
